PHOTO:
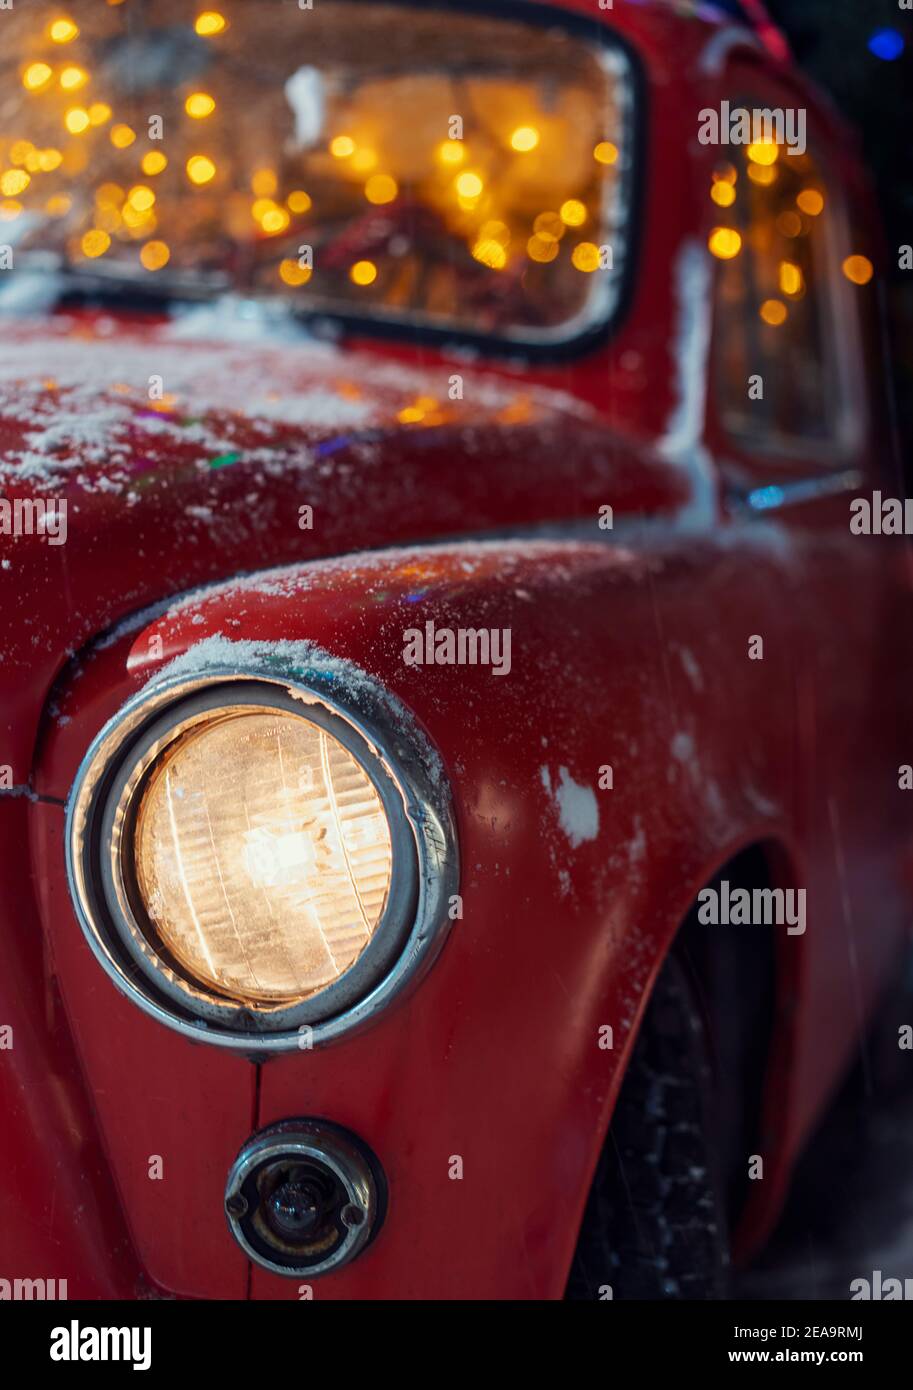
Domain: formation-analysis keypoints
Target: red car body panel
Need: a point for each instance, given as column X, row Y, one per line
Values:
column 630, row 651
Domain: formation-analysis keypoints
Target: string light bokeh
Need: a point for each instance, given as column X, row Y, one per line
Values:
column 469, row 171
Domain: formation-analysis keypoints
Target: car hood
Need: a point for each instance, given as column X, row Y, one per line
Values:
column 184, row 461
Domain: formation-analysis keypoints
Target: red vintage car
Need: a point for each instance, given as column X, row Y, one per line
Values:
column 453, row 782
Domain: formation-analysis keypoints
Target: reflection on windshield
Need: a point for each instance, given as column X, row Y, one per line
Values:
column 371, row 160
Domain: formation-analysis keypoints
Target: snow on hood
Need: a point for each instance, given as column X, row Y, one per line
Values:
column 79, row 399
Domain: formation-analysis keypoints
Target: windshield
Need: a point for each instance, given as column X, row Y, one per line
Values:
column 404, row 164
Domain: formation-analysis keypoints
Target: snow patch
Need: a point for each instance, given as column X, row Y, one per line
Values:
column 682, row 749
column 637, row 845
column 691, row 668
column 682, row 443
column 576, row 804
column 304, row 92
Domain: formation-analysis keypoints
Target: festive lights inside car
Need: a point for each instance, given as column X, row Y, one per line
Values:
column 251, row 864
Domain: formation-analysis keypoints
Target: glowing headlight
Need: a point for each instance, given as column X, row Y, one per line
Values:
column 247, row 859
column 263, row 855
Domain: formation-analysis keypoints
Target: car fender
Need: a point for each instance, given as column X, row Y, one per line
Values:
column 486, row 1091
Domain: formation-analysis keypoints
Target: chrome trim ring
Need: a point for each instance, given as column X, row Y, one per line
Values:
column 306, row 1149
column 403, row 767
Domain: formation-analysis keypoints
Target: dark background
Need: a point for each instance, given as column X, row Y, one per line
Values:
column 830, row 39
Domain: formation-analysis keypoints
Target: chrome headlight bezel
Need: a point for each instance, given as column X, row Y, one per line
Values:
column 405, row 772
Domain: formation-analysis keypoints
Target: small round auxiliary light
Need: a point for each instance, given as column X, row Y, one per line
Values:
column 304, row 1197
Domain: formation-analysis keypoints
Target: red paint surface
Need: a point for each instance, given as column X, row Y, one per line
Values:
column 494, row 1056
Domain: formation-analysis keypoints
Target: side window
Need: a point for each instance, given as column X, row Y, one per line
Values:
column 773, row 238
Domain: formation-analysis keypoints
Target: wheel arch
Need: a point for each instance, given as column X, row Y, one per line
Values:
column 750, row 1048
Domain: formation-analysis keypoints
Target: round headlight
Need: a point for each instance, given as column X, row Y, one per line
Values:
column 249, row 858
column 262, row 855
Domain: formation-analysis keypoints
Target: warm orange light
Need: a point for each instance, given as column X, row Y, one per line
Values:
column 140, row 224
column 585, row 257
column 542, row 250
column 364, row 160
column 199, row 105
column 791, row 278
column 122, row 136
column 210, row 22
column 573, row 213
column 76, row 120
column 62, row 31
column 468, row 185
column 99, row 112
column 363, row 273
column 524, row 138
column 451, row 152
column 725, row 173
column 298, row 201
column 200, row 169
column 342, row 146
column 491, row 253
column 291, row 273
column 419, row 410
column 155, row 255
column 773, row 311
column 605, row 152
column 95, row 243
column 274, row 221
column 141, row 198
column 153, row 163
column 36, row 76
column 72, row 78
column 14, row 181
column 263, row 856
column 109, row 195
column 763, row 174
column 381, row 188
column 858, row 269
column 49, row 160
column 264, row 183
column 495, row 231
column 810, row 201
column 724, row 243
column 723, row 194
column 764, row 152
column 549, row 227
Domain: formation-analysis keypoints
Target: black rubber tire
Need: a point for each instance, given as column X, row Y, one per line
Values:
column 654, row 1225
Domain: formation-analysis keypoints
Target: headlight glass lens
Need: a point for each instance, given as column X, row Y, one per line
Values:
column 263, row 856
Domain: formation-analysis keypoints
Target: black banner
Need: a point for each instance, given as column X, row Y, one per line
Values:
column 250, row 1342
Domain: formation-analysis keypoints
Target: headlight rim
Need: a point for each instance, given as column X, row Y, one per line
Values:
column 394, row 743
column 121, row 803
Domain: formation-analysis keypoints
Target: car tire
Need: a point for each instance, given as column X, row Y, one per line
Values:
column 654, row 1225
